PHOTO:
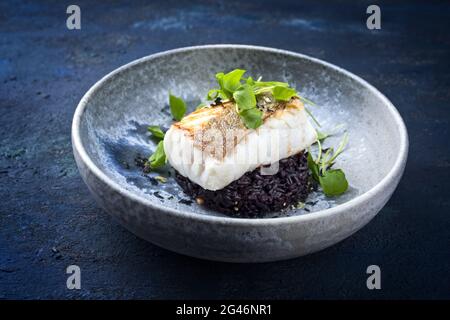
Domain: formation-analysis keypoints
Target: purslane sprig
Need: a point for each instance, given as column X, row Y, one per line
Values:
column 156, row 132
column 332, row 181
column 243, row 91
column 158, row 158
column 177, row 107
column 321, row 135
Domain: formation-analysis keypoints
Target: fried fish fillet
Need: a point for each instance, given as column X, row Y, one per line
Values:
column 212, row 147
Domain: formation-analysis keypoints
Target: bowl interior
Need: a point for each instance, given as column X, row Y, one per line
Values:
column 113, row 126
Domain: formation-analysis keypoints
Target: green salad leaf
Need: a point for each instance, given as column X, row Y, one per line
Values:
column 177, row 107
column 332, row 181
column 213, row 94
column 252, row 117
column 232, row 80
column 283, row 93
column 244, row 91
column 312, row 165
column 156, row 132
column 158, row 158
column 245, row 98
column 321, row 135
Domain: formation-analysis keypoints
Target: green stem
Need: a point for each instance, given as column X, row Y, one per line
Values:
column 340, row 148
column 320, row 152
column 312, row 117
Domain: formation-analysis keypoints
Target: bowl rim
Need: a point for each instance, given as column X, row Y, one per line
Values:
column 390, row 177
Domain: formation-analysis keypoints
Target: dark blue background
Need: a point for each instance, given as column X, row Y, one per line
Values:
column 48, row 219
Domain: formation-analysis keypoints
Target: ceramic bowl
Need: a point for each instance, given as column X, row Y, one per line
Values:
column 109, row 132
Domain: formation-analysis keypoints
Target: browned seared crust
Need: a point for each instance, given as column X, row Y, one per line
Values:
column 217, row 129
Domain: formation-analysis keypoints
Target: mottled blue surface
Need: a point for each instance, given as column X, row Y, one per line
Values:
column 48, row 220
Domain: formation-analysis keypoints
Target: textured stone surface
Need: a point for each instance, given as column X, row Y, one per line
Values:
column 49, row 220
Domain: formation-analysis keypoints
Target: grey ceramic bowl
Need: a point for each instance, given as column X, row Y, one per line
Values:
column 109, row 131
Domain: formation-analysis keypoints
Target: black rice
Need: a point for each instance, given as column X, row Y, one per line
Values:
column 254, row 194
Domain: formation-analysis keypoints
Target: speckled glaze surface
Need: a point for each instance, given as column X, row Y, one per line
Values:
column 109, row 131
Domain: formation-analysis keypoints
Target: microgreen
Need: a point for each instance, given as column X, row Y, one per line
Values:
column 307, row 101
column 283, row 93
column 177, row 107
column 321, row 136
column 243, row 91
column 156, row 132
column 312, row 117
column 332, row 181
column 252, row 117
column 232, row 80
column 158, row 158
column 245, row 98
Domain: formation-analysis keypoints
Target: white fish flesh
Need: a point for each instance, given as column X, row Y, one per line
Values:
column 213, row 148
